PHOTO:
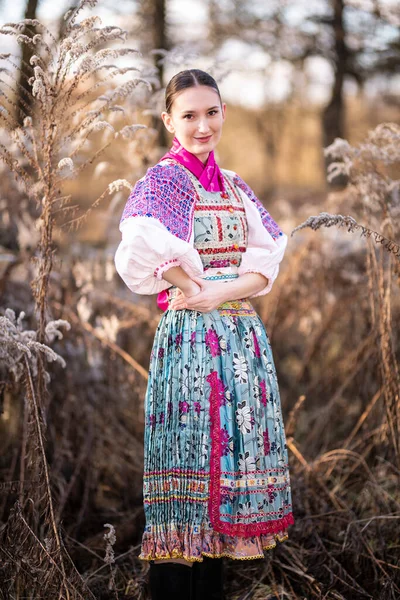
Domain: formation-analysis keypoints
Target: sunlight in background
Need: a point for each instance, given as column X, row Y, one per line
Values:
column 246, row 82
column 245, row 74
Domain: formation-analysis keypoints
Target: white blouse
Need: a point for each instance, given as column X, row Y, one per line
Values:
column 148, row 249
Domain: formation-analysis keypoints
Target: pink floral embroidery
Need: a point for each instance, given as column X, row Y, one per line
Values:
column 212, row 342
column 220, row 262
column 224, row 438
column 256, row 346
column 263, row 393
column 197, row 407
column 183, row 406
column 267, row 445
column 271, row 493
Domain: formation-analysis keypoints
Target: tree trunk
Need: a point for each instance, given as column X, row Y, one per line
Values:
column 160, row 41
column 152, row 16
column 333, row 116
column 26, row 70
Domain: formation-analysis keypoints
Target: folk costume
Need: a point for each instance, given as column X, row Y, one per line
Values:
column 216, row 474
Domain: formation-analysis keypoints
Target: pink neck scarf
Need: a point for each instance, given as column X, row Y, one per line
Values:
column 209, row 175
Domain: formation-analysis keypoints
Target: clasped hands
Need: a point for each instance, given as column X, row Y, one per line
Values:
column 202, row 295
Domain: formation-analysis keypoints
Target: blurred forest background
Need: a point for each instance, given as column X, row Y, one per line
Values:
column 313, row 125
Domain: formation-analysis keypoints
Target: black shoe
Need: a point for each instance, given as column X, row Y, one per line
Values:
column 170, row 581
column 208, row 579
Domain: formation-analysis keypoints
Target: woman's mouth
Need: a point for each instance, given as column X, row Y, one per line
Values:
column 203, row 140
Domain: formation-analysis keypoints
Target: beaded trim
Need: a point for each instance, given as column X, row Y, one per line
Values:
column 173, row 262
column 223, row 276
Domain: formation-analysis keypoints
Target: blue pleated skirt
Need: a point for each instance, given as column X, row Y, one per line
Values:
column 216, row 474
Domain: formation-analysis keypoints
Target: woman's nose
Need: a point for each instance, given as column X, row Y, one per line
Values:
column 203, row 126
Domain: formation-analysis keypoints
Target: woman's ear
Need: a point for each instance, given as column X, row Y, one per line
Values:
column 167, row 122
column 223, row 110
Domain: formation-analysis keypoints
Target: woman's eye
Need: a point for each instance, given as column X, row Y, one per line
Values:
column 211, row 113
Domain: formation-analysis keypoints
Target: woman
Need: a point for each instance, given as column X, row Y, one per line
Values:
column 216, row 477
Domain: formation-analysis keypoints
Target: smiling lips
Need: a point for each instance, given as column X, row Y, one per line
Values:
column 203, row 140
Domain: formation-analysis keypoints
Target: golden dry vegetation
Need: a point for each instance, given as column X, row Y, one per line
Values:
column 71, row 426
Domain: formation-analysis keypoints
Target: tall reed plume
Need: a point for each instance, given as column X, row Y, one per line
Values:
column 77, row 82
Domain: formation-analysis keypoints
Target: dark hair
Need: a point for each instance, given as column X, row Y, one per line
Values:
column 187, row 79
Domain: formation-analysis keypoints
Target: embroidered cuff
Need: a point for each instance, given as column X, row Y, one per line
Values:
column 174, row 262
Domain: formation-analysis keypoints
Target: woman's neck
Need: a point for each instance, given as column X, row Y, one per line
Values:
column 202, row 159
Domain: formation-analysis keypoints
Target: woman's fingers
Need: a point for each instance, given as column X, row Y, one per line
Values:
column 198, row 302
column 178, row 305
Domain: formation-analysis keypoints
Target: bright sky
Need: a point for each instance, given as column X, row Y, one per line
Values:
column 245, row 75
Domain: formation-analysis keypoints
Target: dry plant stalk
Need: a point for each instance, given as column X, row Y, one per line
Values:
column 68, row 108
column 371, row 188
column 73, row 89
column 327, row 220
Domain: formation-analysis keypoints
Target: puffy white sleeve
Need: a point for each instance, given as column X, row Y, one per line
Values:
column 263, row 253
column 147, row 250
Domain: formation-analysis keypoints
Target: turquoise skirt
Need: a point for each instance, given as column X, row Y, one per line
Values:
column 216, row 474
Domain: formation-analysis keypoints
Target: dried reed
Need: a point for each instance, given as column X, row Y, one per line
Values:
column 71, row 92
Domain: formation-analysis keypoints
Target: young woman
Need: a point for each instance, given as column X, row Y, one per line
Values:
column 216, row 476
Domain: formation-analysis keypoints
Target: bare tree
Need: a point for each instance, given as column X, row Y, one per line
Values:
column 333, row 114
column 26, row 71
column 154, row 36
column 359, row 40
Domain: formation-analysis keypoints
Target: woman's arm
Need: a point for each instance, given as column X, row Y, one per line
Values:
column 177, row 276
column 214, row 293
column 244, row 286
column 147, row 250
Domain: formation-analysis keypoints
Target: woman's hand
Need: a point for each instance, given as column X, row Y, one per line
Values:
column 210, row 296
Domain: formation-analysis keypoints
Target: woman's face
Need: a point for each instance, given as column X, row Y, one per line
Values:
column 196, row 120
